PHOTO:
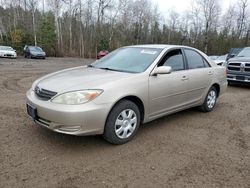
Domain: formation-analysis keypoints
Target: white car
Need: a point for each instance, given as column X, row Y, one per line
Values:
column 7, row 51
column 221, row 59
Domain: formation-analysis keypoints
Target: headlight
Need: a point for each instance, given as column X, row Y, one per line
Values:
column 76, row 97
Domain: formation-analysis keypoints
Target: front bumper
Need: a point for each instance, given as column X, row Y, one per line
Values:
column 38, row 56
column 8, row 55
column 238, row 78
column 85, row 119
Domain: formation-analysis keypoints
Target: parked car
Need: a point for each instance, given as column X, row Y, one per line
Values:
column 128, row 87
column 213, row 57
column 238, row 67
column 7, row 51
column 33, row 52
column 102, row 54
column 221, row 59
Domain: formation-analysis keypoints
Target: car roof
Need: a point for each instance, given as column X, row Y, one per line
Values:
column 6, row 46
column 159, row 46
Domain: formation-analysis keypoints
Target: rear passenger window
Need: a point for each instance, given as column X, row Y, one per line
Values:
column 195, row 60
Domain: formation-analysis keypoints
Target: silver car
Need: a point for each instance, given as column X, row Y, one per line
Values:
column 130, row 86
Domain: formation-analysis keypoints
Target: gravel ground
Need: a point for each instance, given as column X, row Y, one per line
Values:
column 187, row 149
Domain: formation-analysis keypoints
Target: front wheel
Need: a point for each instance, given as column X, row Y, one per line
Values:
column 122, row 123
column 210, row 100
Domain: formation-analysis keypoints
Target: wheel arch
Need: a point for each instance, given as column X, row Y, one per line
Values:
column 135, row 100
column 217, row 87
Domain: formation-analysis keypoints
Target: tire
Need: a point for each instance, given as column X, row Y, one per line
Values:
column 210, row 100
column 122, row 123
column 230, row 83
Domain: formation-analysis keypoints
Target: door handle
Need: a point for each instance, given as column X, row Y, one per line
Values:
column 184, row 78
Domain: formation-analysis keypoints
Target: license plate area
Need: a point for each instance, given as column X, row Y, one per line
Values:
column 31, row 111
column 240, row 78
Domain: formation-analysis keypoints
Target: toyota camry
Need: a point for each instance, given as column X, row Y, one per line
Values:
column 130, row 86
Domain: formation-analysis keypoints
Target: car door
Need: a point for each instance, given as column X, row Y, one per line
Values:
column 199, row 75
column 167, row 92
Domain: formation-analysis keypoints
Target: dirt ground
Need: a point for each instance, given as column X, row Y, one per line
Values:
column 187, row 149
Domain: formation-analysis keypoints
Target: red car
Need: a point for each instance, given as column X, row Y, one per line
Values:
column 102, row 54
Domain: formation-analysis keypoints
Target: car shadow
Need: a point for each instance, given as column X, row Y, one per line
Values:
column 240, row 85
column 71, row 140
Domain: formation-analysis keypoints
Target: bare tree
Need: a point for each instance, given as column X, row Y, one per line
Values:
column 32, row 4
column 210, row 12
column 242, row 17
column 229, row 21
column 70, row 15
column 172, row 23
column 56, row 7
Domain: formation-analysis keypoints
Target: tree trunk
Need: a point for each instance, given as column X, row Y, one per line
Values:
column 34, row 26
column 70, row 27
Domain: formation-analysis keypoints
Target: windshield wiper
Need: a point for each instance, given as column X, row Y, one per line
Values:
column 117, row 70
column 110, row 69
column 92, row 66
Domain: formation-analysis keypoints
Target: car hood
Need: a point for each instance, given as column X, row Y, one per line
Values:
column 239, row 59
column 219, row 60
column 37, row 52
column 7, row 51
column 80, row 78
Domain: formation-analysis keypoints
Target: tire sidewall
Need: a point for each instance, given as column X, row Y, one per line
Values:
column 109, row 130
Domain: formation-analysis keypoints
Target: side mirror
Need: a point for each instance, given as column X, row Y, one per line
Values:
column 162, row 70
column 232, row 55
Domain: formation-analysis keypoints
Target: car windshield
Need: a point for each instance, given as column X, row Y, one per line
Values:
column 35, row 48
column 128, row 59
column 244, row 53
column 6, row 48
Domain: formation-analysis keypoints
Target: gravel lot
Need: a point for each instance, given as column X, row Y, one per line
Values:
column 187, row 149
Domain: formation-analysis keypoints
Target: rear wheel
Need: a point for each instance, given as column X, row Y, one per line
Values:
column 210, row 100
column 122, row 123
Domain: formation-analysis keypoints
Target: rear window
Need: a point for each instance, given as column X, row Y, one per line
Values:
column 195, row 60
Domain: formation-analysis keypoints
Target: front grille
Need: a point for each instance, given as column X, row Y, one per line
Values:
column 239, row 67
column 247, row 67
column 8, row 55
column 234, row 64
column 234, row 68
column 44, row 94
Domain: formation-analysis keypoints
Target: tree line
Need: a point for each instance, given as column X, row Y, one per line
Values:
column 83, row 27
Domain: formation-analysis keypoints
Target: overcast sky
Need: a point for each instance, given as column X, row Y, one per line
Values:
column 183, row 5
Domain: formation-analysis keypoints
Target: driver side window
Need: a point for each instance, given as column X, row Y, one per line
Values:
column 173, row 59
